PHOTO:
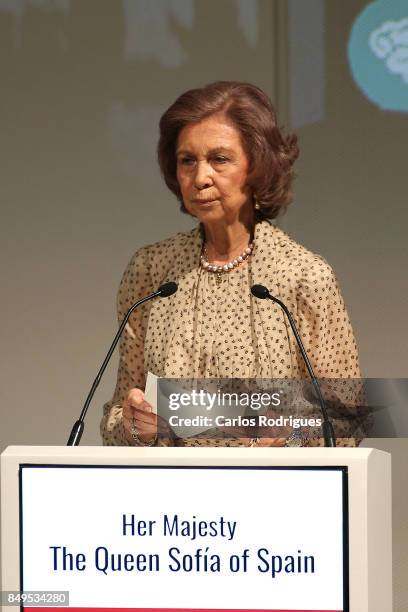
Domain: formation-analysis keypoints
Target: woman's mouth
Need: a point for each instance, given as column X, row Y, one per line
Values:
column 207, row 201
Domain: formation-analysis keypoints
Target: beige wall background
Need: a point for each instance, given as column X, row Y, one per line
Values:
column 83, row 83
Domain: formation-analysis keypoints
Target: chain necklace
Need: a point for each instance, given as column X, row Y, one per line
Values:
column 227, row 267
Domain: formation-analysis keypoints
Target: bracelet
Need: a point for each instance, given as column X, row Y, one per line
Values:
column 297, row 438
column 135, row 436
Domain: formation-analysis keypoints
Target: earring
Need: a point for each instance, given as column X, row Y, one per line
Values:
column 257, row 206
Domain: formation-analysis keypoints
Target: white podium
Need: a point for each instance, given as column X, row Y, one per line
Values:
column 199, row 528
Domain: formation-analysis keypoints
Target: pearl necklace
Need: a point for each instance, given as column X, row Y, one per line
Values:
column 219, row 270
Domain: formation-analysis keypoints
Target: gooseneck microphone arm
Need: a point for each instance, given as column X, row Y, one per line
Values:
column 78, row 428
column 262, row 292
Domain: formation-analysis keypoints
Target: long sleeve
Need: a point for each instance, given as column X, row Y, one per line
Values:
column 134, row 285
column 324, row 324
column 329, row 341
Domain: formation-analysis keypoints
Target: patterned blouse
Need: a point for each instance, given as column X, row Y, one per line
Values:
column 208, row 330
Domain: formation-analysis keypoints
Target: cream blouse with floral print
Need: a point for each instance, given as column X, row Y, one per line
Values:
column 207, row 330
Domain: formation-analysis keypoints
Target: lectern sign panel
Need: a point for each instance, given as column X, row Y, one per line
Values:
column 186, row 538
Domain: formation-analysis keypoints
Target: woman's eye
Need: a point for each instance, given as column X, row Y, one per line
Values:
column 220, row 159
column 186, row 161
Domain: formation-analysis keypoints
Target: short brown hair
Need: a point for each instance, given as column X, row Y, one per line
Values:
column 271, row 154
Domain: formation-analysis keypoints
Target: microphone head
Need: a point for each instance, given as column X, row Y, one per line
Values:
column 260, row 292
column 167, row 289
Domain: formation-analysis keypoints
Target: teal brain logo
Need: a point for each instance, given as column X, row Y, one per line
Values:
column 378, row 53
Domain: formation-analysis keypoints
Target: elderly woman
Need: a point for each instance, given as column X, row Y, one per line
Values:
column 223, row 156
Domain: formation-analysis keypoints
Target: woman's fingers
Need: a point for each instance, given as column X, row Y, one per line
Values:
column 142, row 415
column 163, row 428
column 138, row 415
column 136, row 399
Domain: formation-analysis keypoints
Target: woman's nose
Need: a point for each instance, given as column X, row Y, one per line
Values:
column 203, row 175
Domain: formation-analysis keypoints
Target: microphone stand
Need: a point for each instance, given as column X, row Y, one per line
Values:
column 78, row 428
column 328, row 432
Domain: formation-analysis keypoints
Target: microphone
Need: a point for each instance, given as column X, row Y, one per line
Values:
column 262, row 293
column 167, row 289
column 164, row 290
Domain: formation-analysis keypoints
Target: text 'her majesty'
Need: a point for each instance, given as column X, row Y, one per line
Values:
column 175, row 526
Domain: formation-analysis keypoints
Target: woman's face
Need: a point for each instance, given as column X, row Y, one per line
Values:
column 212, row 170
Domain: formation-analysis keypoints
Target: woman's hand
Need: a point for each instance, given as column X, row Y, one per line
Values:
column 139, row 414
